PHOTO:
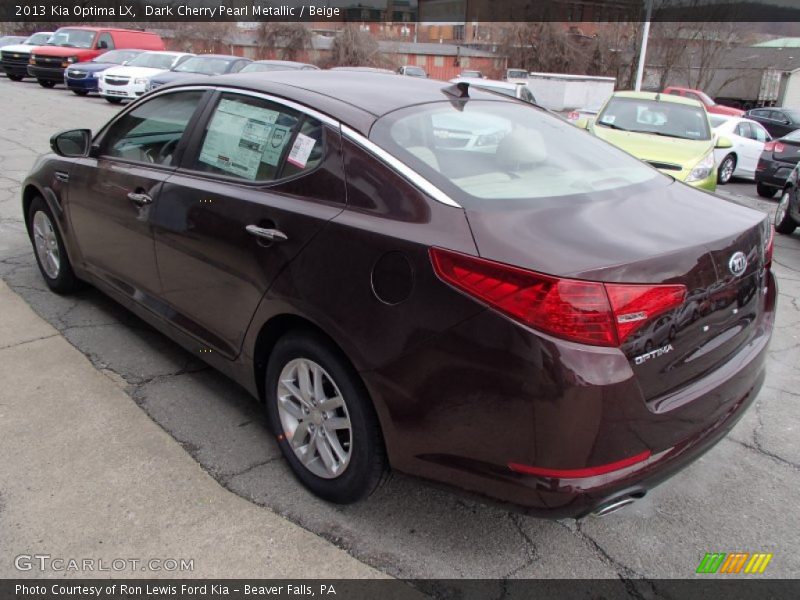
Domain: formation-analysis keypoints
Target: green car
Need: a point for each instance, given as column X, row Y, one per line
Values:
column 670, row 132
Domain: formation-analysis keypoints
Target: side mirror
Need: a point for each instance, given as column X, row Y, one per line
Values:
column 582, row 123
column 74, row 143
column 722, row 143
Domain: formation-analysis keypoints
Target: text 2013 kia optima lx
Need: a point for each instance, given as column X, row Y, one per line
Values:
column 421, row 275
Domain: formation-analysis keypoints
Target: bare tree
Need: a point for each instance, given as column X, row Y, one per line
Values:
column 541, row 46
column 708, row 44
column 667, row 49
column 202, row 36
column 353, row 48
column 290, row 39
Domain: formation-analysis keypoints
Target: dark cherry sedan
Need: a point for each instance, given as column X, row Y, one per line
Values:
column 422, row 275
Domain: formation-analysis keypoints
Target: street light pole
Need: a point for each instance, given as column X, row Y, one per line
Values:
column 643, row 51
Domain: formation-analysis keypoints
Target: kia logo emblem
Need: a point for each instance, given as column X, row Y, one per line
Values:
column 738, row 263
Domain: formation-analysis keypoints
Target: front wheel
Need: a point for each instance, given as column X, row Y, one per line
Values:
column 14, row 77
column 784, row 223
column 80, row 92
column 726, row 169
column 46, row 84
column 323, row 419
column 48, row 246
column 113, row 100
column 765, row 191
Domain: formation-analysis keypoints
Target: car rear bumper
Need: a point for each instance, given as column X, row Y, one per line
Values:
column 46, row 73
column 773, row 173
column 485, row 395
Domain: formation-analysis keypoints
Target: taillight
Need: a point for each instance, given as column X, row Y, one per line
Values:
column 589, row 312
column 774, row 146
column 573, row 116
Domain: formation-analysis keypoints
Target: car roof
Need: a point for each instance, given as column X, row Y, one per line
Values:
column 282, row 62
column 355, row 98
column 224, row 56
column 659, row 96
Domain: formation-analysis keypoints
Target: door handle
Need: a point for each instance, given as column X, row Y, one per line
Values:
column 61, row 176
column 273, row 235
column 139, row 198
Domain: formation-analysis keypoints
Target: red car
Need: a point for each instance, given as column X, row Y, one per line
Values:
column 705, row 100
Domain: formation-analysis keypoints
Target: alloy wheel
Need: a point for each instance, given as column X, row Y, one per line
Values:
column 44, row 236
column 314, row 418
column 726, row 170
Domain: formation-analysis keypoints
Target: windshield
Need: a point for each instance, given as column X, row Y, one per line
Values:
column 38, row 39
column 261, row 67
column 717, row 120
column 72, row 38
column 153, row 60
column 495, row 150
column 657, row 117
column 204, row 65
column 116, row 57
column 8, row 40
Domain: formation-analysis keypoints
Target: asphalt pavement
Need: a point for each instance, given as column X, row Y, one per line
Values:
column 741, row 496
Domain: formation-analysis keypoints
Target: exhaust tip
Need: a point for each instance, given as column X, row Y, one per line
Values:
column 616, row 504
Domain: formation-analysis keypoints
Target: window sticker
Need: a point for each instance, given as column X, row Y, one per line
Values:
column 608, row 119
column 238, row 137
column 274, row 149
column 301, row 150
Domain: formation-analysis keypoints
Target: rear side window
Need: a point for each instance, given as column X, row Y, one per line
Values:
column 151, row 132
column 493, row 150
column 257, row 140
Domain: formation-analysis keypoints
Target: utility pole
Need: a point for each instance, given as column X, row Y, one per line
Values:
column 643, row 50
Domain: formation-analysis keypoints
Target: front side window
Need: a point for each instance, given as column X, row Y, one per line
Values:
column 496, row 150
column 760, row 133
column 643, row 115
column 105, row 41
column 257, row 140
column 150, row 133
column 743, row 130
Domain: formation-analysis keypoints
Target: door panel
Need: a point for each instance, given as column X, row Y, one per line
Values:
column 214, row 271
column 112, row 197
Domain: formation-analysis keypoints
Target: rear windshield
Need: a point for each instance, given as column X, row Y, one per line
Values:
column 263, row 67
column 494, row 150
column 517, row 74
column 666, row 118
column 72, row 38
column 153, row 60
column 204, row 65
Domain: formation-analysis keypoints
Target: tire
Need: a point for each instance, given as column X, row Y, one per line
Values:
column 113, row 100
column 784, row 223
column 48, row 247
column 80, row 92
column 46, row 84
column 726, row 168
column 14, row 77
column 765, row 191
column 357, row 461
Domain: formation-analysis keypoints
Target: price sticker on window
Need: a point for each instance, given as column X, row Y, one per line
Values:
column 301, row 150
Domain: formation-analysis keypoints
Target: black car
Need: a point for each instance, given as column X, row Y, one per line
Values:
column 777, row 160
column 204, row 64
column 425, row 275
column 777, row 120
column 787, row 214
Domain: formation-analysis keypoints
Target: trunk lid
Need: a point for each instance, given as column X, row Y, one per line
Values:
column 790, row 152
column 664, row 234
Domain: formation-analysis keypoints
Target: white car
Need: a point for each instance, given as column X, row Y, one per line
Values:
column 15, row 58
column 130, row 81
column 748, row 139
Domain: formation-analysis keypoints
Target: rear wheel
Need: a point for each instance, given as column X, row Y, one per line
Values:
column 14, row 77
column 323, row 418
column 726, row 169
column 765, row 191
column 46, row 84
column 784, row 223
column 48, row 246
column 80, row 92
column 113, row 100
